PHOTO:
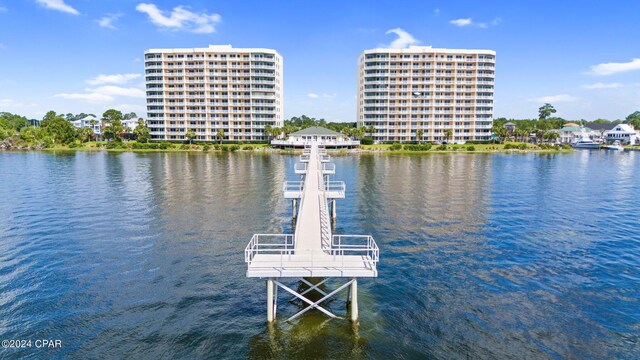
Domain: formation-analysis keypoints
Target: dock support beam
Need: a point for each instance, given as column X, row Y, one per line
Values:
column 333, row 209
column 294, row 208
column 270, row 303
column 354, row 300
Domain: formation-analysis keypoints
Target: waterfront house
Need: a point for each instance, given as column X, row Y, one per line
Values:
column 625, row 133
column 600, row 129
column 90, row 122
column 569, row 134
column 321, row 135
column 511, row 128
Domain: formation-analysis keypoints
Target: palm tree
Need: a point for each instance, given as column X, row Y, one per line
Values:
column 220, row 135
column 448, row 134
column 190, row 134
column 268, row 131
column 419, row 134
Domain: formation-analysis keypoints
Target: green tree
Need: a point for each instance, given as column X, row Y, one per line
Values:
column 141, row 131
column 112, row 119
column 419, row 135
column 190, row 135
column 268, row 131
column 287, row 129
column 633, row 119
column 448, row 134
column 31, row 133
column 85, row 134
column 500, row 131
column 545, row 111
column 58, row 128
column 13, row 121
column 220, row 135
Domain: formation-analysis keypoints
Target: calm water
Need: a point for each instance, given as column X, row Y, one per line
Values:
column 482, row 256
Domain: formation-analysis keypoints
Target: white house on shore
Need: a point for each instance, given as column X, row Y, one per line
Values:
column 90, row 122
column 574, row 132
column 323, row 136
column 624, row 133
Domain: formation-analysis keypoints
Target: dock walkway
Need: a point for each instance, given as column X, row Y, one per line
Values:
column 313, row 251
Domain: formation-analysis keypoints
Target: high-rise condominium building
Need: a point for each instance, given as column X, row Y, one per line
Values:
column 403, row 91
column 239, row 91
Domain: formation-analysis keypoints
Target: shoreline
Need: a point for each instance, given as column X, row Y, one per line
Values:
column 263, row 149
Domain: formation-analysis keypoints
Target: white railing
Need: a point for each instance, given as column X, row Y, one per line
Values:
column 335, row 186
column 300, row 168
column 305, row 158
column 328, row 168
column 293, row 186
column 359, row 245
column 325, row 158
column 325, row 224
column 271, row 244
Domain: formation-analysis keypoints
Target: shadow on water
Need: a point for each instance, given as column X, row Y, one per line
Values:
column 312, row 336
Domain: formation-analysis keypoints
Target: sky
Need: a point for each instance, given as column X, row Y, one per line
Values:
column 77, row 56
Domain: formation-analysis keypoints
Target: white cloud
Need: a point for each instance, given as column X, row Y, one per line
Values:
column 103, row 94
column 404, row 39
column 181, row 18
column 108, row 20
column 2, row 46
column 461, row 22
column 113, row 79
column 469, row 22
column 615, row 68
column 602, row 86
column 493, row 22
column 3, row 9
column 323, row 95
column 554, row 98
column 58, row 5
column 436, row 11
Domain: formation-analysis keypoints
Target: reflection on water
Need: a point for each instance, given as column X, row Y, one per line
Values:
column 482, row 256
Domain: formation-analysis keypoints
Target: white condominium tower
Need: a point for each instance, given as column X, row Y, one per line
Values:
column 401, row 91
column 239, row 91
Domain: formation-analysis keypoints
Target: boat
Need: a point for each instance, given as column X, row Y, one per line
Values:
column 585, row 143
column 615, row 146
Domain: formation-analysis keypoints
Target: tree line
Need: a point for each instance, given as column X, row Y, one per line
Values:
column 56, row 129
column 544, row 123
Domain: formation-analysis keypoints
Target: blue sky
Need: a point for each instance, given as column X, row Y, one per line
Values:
column 85, row 55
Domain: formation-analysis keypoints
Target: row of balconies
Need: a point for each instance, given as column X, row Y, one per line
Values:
column 209, row 66
column 435, row 112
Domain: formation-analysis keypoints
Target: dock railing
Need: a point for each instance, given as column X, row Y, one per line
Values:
column 328, row 168
column 300, row 168
column 272, row 244
column 359, row 245
column 335, row 189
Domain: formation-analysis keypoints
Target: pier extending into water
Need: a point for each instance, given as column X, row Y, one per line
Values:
column 313, row 251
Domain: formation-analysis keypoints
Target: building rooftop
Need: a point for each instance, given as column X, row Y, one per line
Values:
column 316, row 130
column 429, row 49
column 575, row 128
